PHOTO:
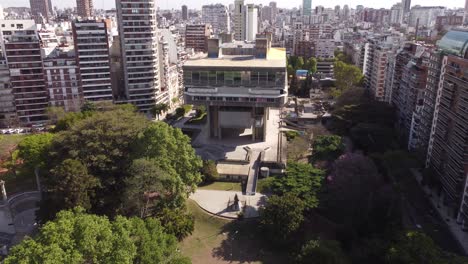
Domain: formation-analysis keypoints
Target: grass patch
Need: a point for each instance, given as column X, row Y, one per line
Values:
column 8, row 142
column 222, row 186
column 216, row 240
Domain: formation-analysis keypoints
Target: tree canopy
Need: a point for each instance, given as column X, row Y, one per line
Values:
column 34, row 148
column 282, row 216
column 116, row 154
column 301, row 180
column 347, row 76
column 327, row 147
column 77, row 237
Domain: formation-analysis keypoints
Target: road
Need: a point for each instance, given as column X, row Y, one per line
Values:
column 422, row 215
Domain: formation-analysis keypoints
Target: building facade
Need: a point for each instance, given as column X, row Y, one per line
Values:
column 306, row 7
column 21, row 46
column 218, row 17
column 184, row 12
column 84, row 8
column 237, row 89
column 139, row 41
column 196, row 37
column 448, row 144
column 41, row 10
column 92, row 54
column 239, row 20
column 7, row 99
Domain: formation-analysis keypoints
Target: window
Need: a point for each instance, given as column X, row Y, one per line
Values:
column 19, row 26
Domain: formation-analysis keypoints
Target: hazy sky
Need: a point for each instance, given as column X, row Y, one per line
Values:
column 165, row 4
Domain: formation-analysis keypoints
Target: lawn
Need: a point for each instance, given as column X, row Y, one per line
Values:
column 216, row 240
column 222, row 186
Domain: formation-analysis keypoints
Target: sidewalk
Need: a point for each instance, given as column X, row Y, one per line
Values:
column 444, row 212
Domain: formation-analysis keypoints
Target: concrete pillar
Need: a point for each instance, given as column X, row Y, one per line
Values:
column 4, row 194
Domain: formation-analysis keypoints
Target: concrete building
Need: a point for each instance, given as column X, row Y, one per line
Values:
column 406, row 5
column 239, row 20
column 41, row 10
column 184, row 12
column 397, row 14
column 448, row 144
column 409, row 100
column 237, row 89
column 7, row 99
column 306, row 7
column 62, row 78
column 218, row 17
column 21, row 46
column 251, row 22
column 92, row 53
column 84, row 8
column 139, row 42
column 324, row 48
column 425, row 15
column 196, row 36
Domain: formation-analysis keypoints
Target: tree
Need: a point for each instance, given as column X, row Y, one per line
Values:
column 414, row 247
column 297, row 148
column 69, row 185
column 89, row 106
column 323, row 252
column 209, row 171
column 328, row 147
column 347, row 76
column 301, row 180
column 177, row 222
column 34, row 148
column 77, row 237
column 55, row 113
column 158, row 109
column 150, row 188
column 294, row 85
column 311, row 65
column 281, row 217
column 170, row 146
column 350, row 189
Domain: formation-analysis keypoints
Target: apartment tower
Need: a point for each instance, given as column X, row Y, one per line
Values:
column 139, row 45
column 84, row 8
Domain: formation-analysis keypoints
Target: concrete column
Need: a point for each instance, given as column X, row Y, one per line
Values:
column 4, row 194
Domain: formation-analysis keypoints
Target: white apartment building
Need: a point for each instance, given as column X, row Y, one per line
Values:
column 139, row 39
column 251, row 22
column 92, row 52
column 426, row 14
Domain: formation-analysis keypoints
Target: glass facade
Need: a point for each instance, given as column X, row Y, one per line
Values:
column 266, row 78
column 455, row 42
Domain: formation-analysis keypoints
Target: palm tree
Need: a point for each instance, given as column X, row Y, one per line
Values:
column 158, row 109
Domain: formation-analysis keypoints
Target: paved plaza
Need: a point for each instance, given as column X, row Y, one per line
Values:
column 217, row 203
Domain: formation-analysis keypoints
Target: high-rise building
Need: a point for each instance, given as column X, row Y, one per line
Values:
column 237, row 91
column 7, row 99
column 396, row 14
column 196, row 37
column 406, row 5
column 92, row 54
column 251, row 22
column 306, row 7
column 239, row 20
column 465, row 14
column 425, row 16
column 41, row 10
column 448, row 144
column 274, row 12
column 139, row 42
column 184, row 12
column 346, row 12
column 21, row 46
column 218, row 17
column 84, row 8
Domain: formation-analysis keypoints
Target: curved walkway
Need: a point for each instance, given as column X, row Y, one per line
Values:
column 216, row 203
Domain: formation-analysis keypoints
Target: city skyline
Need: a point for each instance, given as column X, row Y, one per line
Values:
column 177, row 4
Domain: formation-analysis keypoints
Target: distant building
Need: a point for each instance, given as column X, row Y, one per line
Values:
column 448, row 22
column 425, row 15
column 184, row 12
column 196, row 37
column 84, row 8
column 217, row 16
column 41, row 10
column 251, row 23
column 239, row 20
column 7, row 98
column 406, row 6
column 306, row 7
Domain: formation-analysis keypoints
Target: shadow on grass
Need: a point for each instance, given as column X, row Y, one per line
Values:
column 244, row 243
